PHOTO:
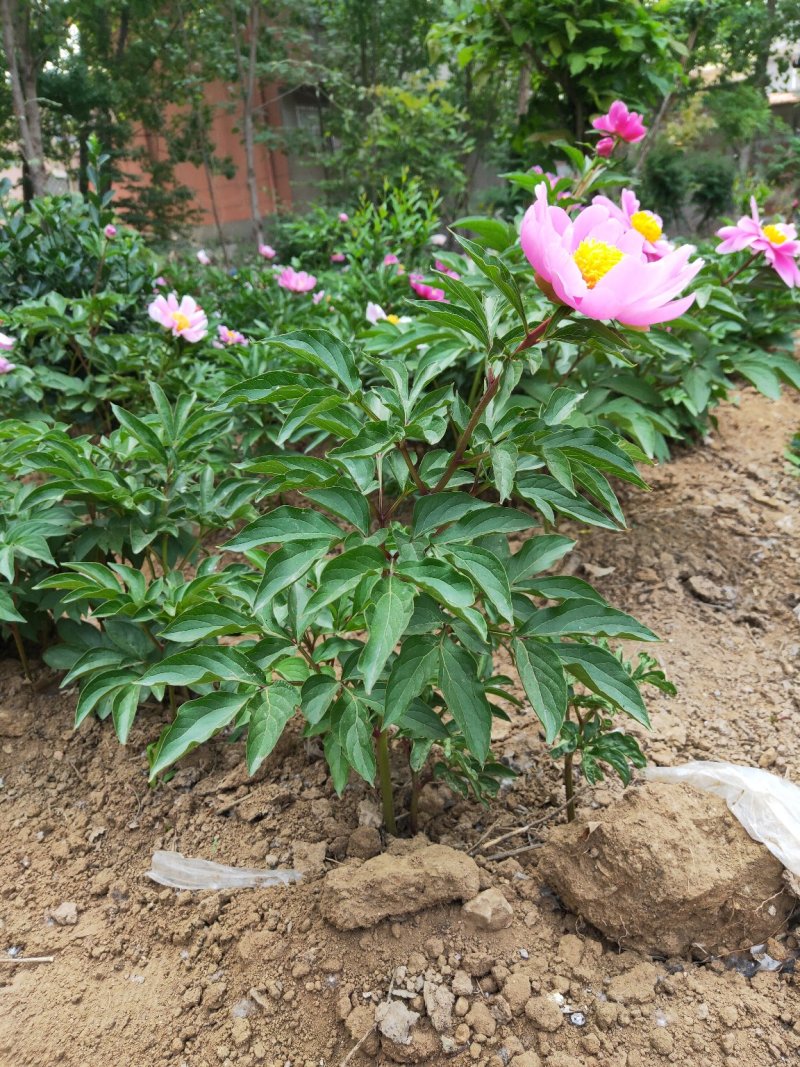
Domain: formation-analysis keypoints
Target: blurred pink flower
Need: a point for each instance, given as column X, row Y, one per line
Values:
column 597, row 265
column 184, row 319
column 229, row 337
column 5, row 366
column 627, row 125
column 318, row 296
column 778, row 241
column 343, row 216
column 374, row 313
column 203, row 258
column 267, row 251
column 439, row 240
column 110, row 230
column 444, row 269
column 6, row 342
column 390, row 259
column 160, row 280
column 605, row 146
column 427, row 292
column 550, row 178
column 647, row 223
column 296, row 281
column 338, row 257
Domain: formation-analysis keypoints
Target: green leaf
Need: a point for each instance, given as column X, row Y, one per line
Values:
column 373, row 438
column 560, row 405
column 197, row 721
column 562, row 587
column 269, row 713
column 355, row 736
column 196, row 665
column 323, row 350
column 488, row 573
column 141, row 432
column 284, row 524
column 207, row 620
column 286, row 566
column 413, row 670
column 492, row 519
column 440, row 580
column 98, row 687
column 349, row 505
column 270, row 388
column 465, row 698
column 504, row 459
column 123, row 710
column 543, row 680
column 337, row 762
column 317, row 695
column 602, row 673
column 394, row 606
column 538, row 554
column 343, row 573
column 493, row 232
column 586, row 618
column 438, row 509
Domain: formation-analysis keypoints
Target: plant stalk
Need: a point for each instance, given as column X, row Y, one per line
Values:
column 569, row 786
column 750, row 259
column 385, row 778
column 23, row 656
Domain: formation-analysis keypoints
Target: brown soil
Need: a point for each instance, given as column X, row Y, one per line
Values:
column 149, row 976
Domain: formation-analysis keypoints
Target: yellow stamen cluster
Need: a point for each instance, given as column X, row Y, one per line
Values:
column 180, row 320
column 774, row 234
column 647, row 224
column 394, row 319
column 595, row 259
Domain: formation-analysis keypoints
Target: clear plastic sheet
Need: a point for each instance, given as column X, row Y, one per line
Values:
column 181, row 872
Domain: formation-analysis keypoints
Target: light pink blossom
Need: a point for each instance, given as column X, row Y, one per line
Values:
column 619, row 122
column 229, row 337
column 6, row 342
column 184, row 318
column 422, row 289
column 203, row 258
column 110, row 231
column 159, row 281
column 343, row 216
column 338, row 257
column 390, row 259
column 444, row 269
column 778, row 241
column 296, row 281
column 6, row 366
column 267, row 251
column 647, row 223
column 605, row 146
column 597, row 265
column 374, row 313
column 550, row 178
column 439, row 240
column 317, row 297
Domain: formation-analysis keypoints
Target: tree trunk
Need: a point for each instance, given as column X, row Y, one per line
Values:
column 22, row 71
column 247, row 79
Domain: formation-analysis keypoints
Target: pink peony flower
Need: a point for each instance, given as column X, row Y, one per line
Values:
column 203, row 258
column 647, row 223
column 374, row 313
column 619, row 122
column 317, row 297
column 338, row 257
column 597, row 265
column 443, row 269
column 6, row 342
column 439, row 240
column 159, row 281
column 229, row 337
column 267, row 251
column 6, row 367
column 296, row 281
column 110, row 231
column 427, row 292
column 343, row 216
column 390, row 259
column 778, row 241
column 605, row 146
column 184, row 319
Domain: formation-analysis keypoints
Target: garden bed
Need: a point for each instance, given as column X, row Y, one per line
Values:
column 152, row 976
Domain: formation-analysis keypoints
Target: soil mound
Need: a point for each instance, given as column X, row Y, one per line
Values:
column 666, row 869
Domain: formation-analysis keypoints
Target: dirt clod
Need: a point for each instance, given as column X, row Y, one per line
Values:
column 391, row 885
column 666, row 868
column 489, row 910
